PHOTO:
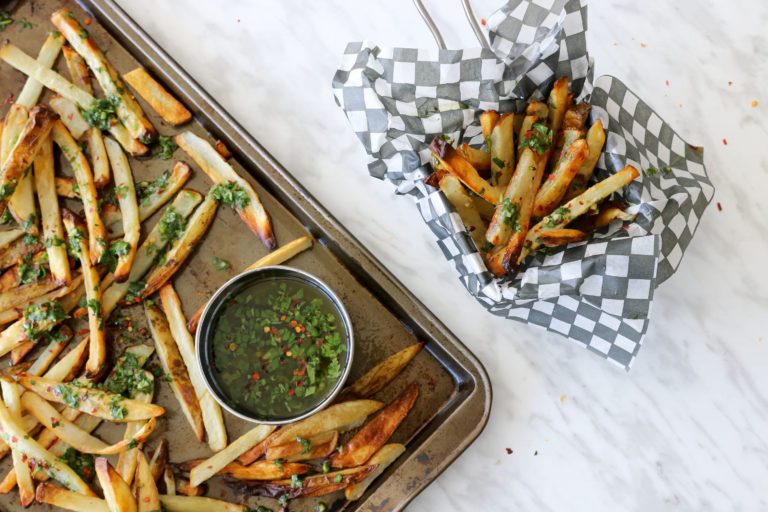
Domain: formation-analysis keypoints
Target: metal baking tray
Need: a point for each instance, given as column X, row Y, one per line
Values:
column 455, row 394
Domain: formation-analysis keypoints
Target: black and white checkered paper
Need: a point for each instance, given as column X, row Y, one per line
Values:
column 597, row 293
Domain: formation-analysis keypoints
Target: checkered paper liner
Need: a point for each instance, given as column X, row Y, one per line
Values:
column 597, row 293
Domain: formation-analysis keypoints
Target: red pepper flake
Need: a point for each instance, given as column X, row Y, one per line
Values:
column 256, row 376
column 509, row 451
column 95, row 410
column 754, row 103
column 730, row 83
column 293, row 323
column 82, row 331
column 642, row 45
column 88, row 21
column 87, row 471
column 667, row 82
column 626, row 228
column 291, row 392
column 299, row 383
column 482, row 21
column 145, row 499
column 719, row 206
column 725, row 142
column 8, row 99
column 210, row 467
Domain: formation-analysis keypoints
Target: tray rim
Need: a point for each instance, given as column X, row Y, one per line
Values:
column 425, row 462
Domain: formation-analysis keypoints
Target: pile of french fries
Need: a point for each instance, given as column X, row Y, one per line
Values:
column 538, row 166
column 70, row 255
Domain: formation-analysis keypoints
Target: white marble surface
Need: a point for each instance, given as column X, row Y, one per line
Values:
column 686, row 428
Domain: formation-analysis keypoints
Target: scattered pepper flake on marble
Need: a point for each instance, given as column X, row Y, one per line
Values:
column 642, row 45
column 719, row 207
column 725, row 142
column 562, row 398
column 730, row 83
column 482, row 21
column 666, row 82
column 509, row 451
column 754, row 103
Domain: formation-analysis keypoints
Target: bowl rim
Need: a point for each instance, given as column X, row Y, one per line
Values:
column 224, row 289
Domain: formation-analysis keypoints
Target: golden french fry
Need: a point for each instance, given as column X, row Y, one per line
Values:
column 78, row 69
column 477, row 158
column 571, row 130
column 503, row 150
column 126, row 462
column 30, row 93
column 23, row 476
column 66, row 187
column 259, row 470
column 14, row 314
column 99, row 159
column 558, row 101
column 147, row 497
column 558, row 237
column 50, row 214
column 70, row 500
column 314, row 447
column 553, row 189
column 383, row 458
column 445, row 156
column 169, row 108
column 159, row 460
column 488, row 120
column 8, row 237
column 129, row 210
column 69, row 114
column 595, row 141
column 465, row 207
column 175, row 503
column 21, row 203
column 51, row 351
column 314, row 485
column 117, row 493
column 211, row 466
column 380, row 375
column 16, row 250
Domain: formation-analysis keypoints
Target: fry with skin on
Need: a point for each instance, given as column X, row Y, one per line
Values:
column 70, row 500
column 380, row 375
column 503, row 150
column 66, row 187
column 60, row 293
column 477, row 158
column 383, row 458
column 117, row 493
column 560, row 237
column 221, row 173
column 173, row 365
column 70, row 115
column 572, row 129
column 211, row 466
column 175, row 503
column 196, row 227
column 170, row 481
column 159, row 460
column 259, row 470
column 169, row 108
column 595, row 141
column 23, row 475
column 30, row 93
column 553, row 189
column 314, row 485
column 78, row 69
column 50, row 215
column 21, row 203
column 126, row 462
column 57, row 83
column 147, row 497
column 128, row 208
column 17, row 249
column 96, row 403
column 446, row 157
column 99, row 159
column 558, row 101
column 488, row 120
column 320, row 445
column 465, row 207
column 607, row 214
column 79, row 246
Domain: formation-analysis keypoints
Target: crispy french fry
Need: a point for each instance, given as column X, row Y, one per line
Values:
column 184, row 203
column 211, row 466
column 572, row 129
column 577, row 206
column 376, row 432
column 69, row 500
column 488, row 120
column 20, row 296
column 78, row 69
column 477, row 158
column 383, row 458
column 220, row 172
column 16, row 250
column 21, row 203
column 465, row 207
column 503, row 150
column 128, row 208
column 8, row 237
column 184, row 487
column 128, row 110
column 66, row 367
column 79, row 245
column 553, row 189
column 607, row 214
column 147, row 497
column 69, row 114
column 380, row 375
column 51, row 351
column 444, row 155
column 320, row 446
column 20, row 352
column 154, row 200
column 222, row 149
column 173, row 365
column 330, row 418
column 99, row 159
column 15, row 314
column 170, row 481
column 126, row 462
column 14, row 435
column 117, row 493
column 315, row 485
column 558, row 237
column 97, row 235
column 57, row 83
column 30, row 93
column 177, row 503
column 169, row 108
column 159, row 460
column 102, row 404
column 259, row 470
column 213, row 419
column 595, row 141
column 66, row 187
column 558, row 101
column 196, row 227
column 23, row 476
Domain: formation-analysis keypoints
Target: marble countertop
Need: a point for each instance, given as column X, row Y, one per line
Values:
column 685, row 429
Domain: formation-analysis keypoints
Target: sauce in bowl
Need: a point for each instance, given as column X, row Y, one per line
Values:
column 277, row 347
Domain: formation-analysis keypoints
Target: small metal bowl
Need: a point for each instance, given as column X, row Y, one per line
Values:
column 204, row 335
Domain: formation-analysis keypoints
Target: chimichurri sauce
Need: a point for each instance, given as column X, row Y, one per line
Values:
column 279, row 348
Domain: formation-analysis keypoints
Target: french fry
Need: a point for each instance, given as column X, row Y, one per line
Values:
column 577, row 206
column 97, row 235
column 8, row 237
column 465, row 207
column 222, row 149
column 51, row 351
column 595, row 141
column 14, row 435
column 173, row 364
column 488, row 120
column 78, row 69
column 220, row 172
column 100, row 403
column 380, row 375
column 30, row 93
column 607, row 214
column 184, row 487
column 147, row 497
column 99, row 159
column 50, row 214
column 553, row 189
column 14, row 314
column 560, row 237
column 38, row 126
column 79, row 245
column 20, row 296
column 477, row 158
column 444, row 155
column 169, row 108
column 558, row 101
column 319, row 446
column 73, row 435
column 383, row 458
column 502, row 150
column 572, row 130
column 151, row 203
column 376, row 432
column 128, row 110
column 16, row 250
column 211, row 466
column 184, row 203
column 314, row 485
column 330, row 418
column 20, row 352
column 196, row 227
column 117, row 493
column 57, row 83
column 159, row 460
column 66, row 367
column 23, row 475
column 259, row 470
column 213, row 419
column 69, row 114
column 170, row 481
column 128, row 208
column 69, row 500
column 21, row 202
column 66, row 187
column 126, row 462
column 177, row 503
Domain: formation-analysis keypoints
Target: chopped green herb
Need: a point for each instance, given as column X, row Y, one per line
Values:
column 510, row 214
column 54, row 241
column 82, row 463
column 296, row 481
column 23, row 23
column 655, row 170
column 306, row 444
column 337, row 479
column 30, row 271
column 446, row 137
column 538, row 138
column 220, row 264
column 69, row 394
column 146, row 189
column 75, row 239
column 499, row 162
column 6, row 189
column 30, row 239
column 167, row 147
column 171, row 225
column 118, row 411
column 132, row 444
column 101, row 113
column 283, row 499
column 487, row 246
column 321, row 508
column 30, row 222
column 128, row 377
column 38, row 318
column 6, row 218
column 231, row 194
column 326, row 467
column 558, row 217
column 488, row 143
column 110, row 257
column 5, row 20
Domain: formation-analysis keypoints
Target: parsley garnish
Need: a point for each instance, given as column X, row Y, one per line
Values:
column 134, row 291
column 101, row 114
column 29, row 271
column 306, row 444
column 499, row 162
column 167, row 147
column 68, row 396
column 220, row 264
column 128, row 377
column 82, row 463
column 37, row 318
column 25, row 24
column 655, row 170
column 116, row 249
column 231, row 194
column 296, row 481
column 5, row 20
column 75, row 239
column 557, row 217
column 145, row 189
column 538, row 138
column 510, row 214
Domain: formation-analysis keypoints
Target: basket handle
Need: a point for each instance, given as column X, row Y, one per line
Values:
column 436, row 32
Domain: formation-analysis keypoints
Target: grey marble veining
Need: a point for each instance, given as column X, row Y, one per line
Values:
column 686, row 428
